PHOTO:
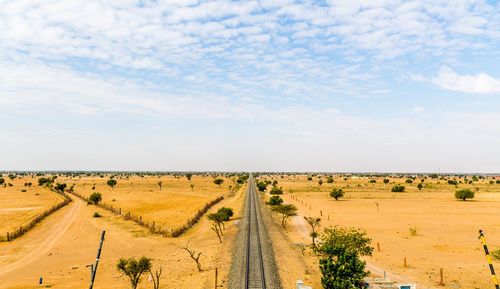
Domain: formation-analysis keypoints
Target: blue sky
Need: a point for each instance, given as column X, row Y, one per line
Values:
column 380, row 85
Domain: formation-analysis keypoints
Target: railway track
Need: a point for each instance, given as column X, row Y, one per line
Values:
column 255, row 275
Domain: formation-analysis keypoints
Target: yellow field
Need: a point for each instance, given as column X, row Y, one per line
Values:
column 171, row 206
column 18, row 208
column 446, row 228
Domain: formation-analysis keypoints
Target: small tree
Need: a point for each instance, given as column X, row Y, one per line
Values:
column 329, row 180
column 192, row 253
column 261, row 186
column 409, row 181
column 314, row 223
column 218, row 220
column 95, row 198
column 353, row 239
column 111, row 183
column 276, row 191
column 275, row 200
column 159, row 184
column 188, row 176
column 133, row 269
column 320, row 182
column 398, row 188
column 464, row 194
column 336, row 193
column 60, row 187
column 386, row 181
column 2, row 181
column 226, row 213
column 11, row 176
column 192, row 187
column 286, row 211
column 420, row 186
column 218, row 182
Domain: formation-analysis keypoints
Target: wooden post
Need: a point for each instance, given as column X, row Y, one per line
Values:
column 378, row 246
column 441, row 277
column 405, row 261
column 120, row 211
column 321, row 213
column 153, row 224
column 8, row 237
column 215, row 277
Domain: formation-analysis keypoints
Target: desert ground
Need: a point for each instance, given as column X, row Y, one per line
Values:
column 59, row 248
column 445, row 230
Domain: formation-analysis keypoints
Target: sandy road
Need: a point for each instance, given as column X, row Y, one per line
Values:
column 43, row 246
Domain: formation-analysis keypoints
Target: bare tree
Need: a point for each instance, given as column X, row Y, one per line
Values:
column 159, row 184
column 192, row 187
column 156, row 276
column 217, row 231
column 192, row 253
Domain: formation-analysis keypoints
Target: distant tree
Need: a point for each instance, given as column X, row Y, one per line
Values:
column 433, row 176
column 159, row 184
column 218, row 182
column 60, row 187
column 275, row 183
column 498, row 181
column 386, row 181
column 452, row 182
column 275, row 200
column 320, row 182
column 314, row 223
column 188, row 176
column 337, row 193
column 133, row 269
column 95, row 198
column 192, row 187
column 261, row 186
column 286, row 211
column 398, row 188
column 45, row 181
column 309, row 178
column 329, row 180
column 373, row 181
column 11, row 176
column 464, row 194
column 111, row 183
column 409, row 181
column 420, row 186
column 28, row 184
column 2, row 181
column 276, row 191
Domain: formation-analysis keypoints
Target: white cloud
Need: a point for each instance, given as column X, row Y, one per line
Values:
column 418, row 109
column 480, row 83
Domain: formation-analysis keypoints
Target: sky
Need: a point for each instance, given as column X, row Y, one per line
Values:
column 280, row 85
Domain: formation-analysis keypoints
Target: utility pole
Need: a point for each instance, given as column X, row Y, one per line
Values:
column 94, row 269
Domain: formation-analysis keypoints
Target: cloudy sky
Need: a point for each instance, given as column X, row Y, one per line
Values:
column 379, row 85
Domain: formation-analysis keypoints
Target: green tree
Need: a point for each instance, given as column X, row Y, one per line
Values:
column 398, row 188
column 188, row 176
column 386, row 181
column 226, row 213
column 464, row 194
column 320, row 182
column 342, row 271
column 420, row 186
column 452, row 182
column 329, row 180
column 95, row 198
column 2, row 181
column 286, row 211
column 409, row 181
column 275, row 200
column 133, row 269
column 60, row 187
column 11, row 176
column 337, row 193
column 111, row 183
column 261, row 186
column 353, row 239
column 218, row 182
column 276, row 191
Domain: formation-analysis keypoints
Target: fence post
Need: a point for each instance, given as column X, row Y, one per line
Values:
column 441, row 277
column 8, row 237
column 378, row 246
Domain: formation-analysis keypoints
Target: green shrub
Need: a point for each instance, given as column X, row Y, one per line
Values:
column 452, row 182
column 276, row 191
column 373, row 181
column 386, row 181
column 420, row 186
column 336, row 193
column 464, row 194
column 275, row 200
column 398, row 188
column 96, row 215
column 261, row 186
column 330, row 180
column 95, row 198
column 409, row 181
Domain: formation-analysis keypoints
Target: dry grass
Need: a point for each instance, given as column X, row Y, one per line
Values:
column 19, row 208
column 447, row 228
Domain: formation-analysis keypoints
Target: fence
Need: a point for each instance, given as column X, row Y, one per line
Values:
column 152, row 226
column 9, row 236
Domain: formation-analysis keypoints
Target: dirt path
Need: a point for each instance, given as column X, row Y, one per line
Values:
column 42, row 247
